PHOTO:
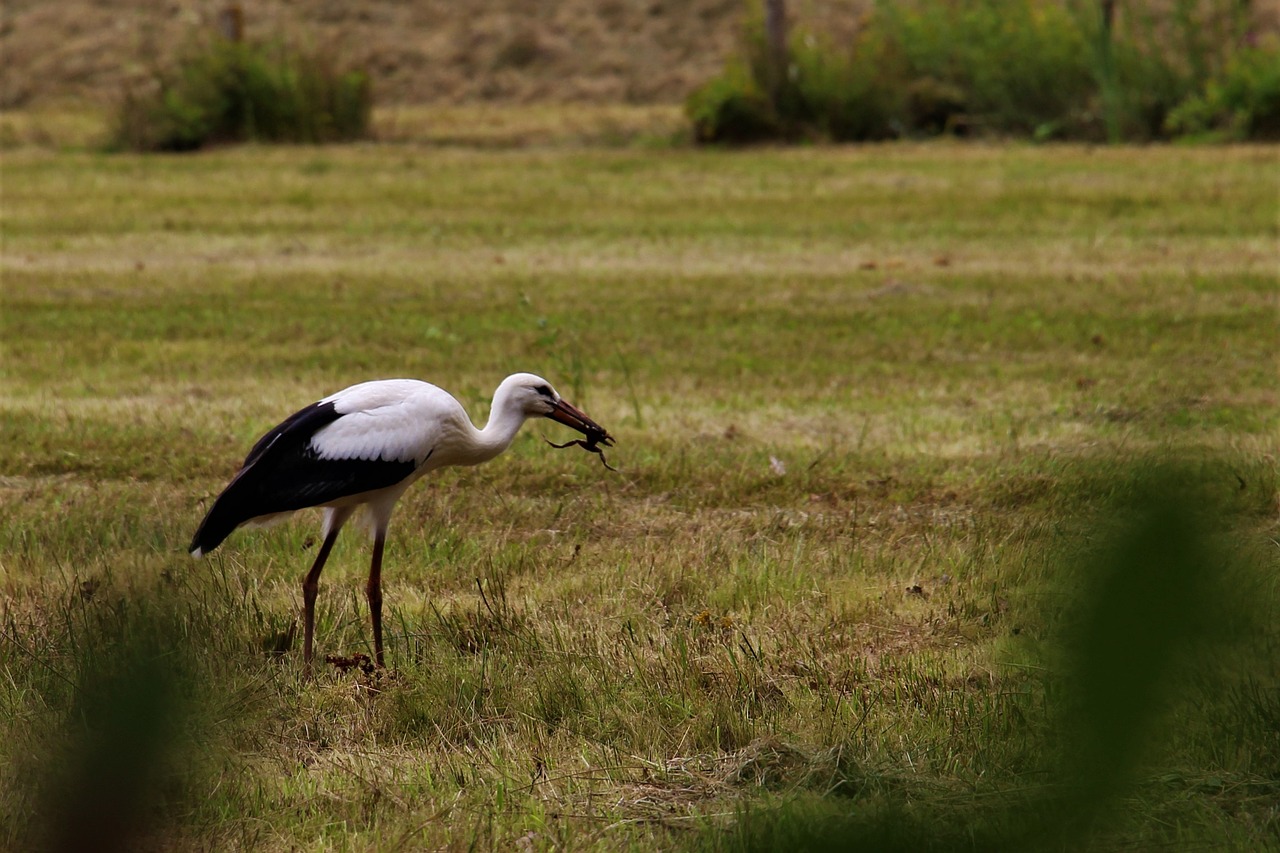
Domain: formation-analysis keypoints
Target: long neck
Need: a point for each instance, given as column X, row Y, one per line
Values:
column 497, row 435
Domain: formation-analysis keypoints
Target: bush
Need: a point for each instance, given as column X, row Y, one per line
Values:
column 1157, row 55
column 823, row 94
column 245, row 91
column 1243, row 103
column 1039, row 68
column 1016, row 66
column 845, row 97
column 733, row 108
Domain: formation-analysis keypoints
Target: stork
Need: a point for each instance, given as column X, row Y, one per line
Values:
column 363, row 446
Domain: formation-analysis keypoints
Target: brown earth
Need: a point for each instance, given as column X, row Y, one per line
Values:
column 419, row 51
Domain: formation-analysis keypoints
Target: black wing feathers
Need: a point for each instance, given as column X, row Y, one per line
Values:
column 298, row 427
column 283, row 473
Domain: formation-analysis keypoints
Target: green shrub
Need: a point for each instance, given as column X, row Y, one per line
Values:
column 1144, row 85
column 847, row 97
column 1039, row 68
column 1243, row 103
column 246, row 91
column 1014, row 66
column 935, row 106
column 824, row 93
column 1155, row 56
column 733, row 108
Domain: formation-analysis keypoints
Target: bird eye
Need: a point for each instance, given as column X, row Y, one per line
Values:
column 544, row 390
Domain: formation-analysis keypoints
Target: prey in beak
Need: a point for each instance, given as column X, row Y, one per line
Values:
column 596, row 435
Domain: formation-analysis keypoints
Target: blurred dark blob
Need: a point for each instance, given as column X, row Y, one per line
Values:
column 104, row 794
column 1152, row 608
column 1152, row 605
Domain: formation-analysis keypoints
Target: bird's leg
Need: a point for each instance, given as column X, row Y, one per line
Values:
column 374, row 592
column 310, row 586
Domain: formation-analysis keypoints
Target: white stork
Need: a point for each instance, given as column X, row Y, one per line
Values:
column 363, row 446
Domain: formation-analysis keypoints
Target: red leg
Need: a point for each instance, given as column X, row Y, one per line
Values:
column 374, row 591
column 310, row 586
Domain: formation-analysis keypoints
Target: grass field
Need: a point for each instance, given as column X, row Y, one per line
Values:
column 886, row 416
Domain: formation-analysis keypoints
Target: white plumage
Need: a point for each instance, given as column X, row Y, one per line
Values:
column 394, row 419
column 363, row 446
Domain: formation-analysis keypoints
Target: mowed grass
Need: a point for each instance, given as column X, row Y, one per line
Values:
column 879, row 413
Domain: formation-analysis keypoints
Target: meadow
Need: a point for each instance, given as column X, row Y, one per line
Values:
column 886, row 417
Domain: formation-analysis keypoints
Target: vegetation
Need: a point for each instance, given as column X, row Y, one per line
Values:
column 1029, row 68
column 888, row 424
column 234, row 91
column 1243, row 103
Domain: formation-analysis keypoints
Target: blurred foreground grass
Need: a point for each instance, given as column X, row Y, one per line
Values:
column 882, row 563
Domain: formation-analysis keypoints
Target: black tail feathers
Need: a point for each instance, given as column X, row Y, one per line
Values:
column 217, row 526
column 233, row 507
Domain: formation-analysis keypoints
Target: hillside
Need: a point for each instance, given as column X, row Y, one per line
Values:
column 436, row 51
column 427, row 51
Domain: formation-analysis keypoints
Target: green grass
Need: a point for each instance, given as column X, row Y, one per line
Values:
column 962, row 359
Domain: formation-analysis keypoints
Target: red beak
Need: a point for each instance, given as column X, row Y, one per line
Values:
column 572, row 416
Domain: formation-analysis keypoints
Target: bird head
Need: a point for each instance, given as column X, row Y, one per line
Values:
column 536, row 398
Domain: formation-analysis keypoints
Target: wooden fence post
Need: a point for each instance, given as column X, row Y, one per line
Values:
column 775, row 35
column 231, row 22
